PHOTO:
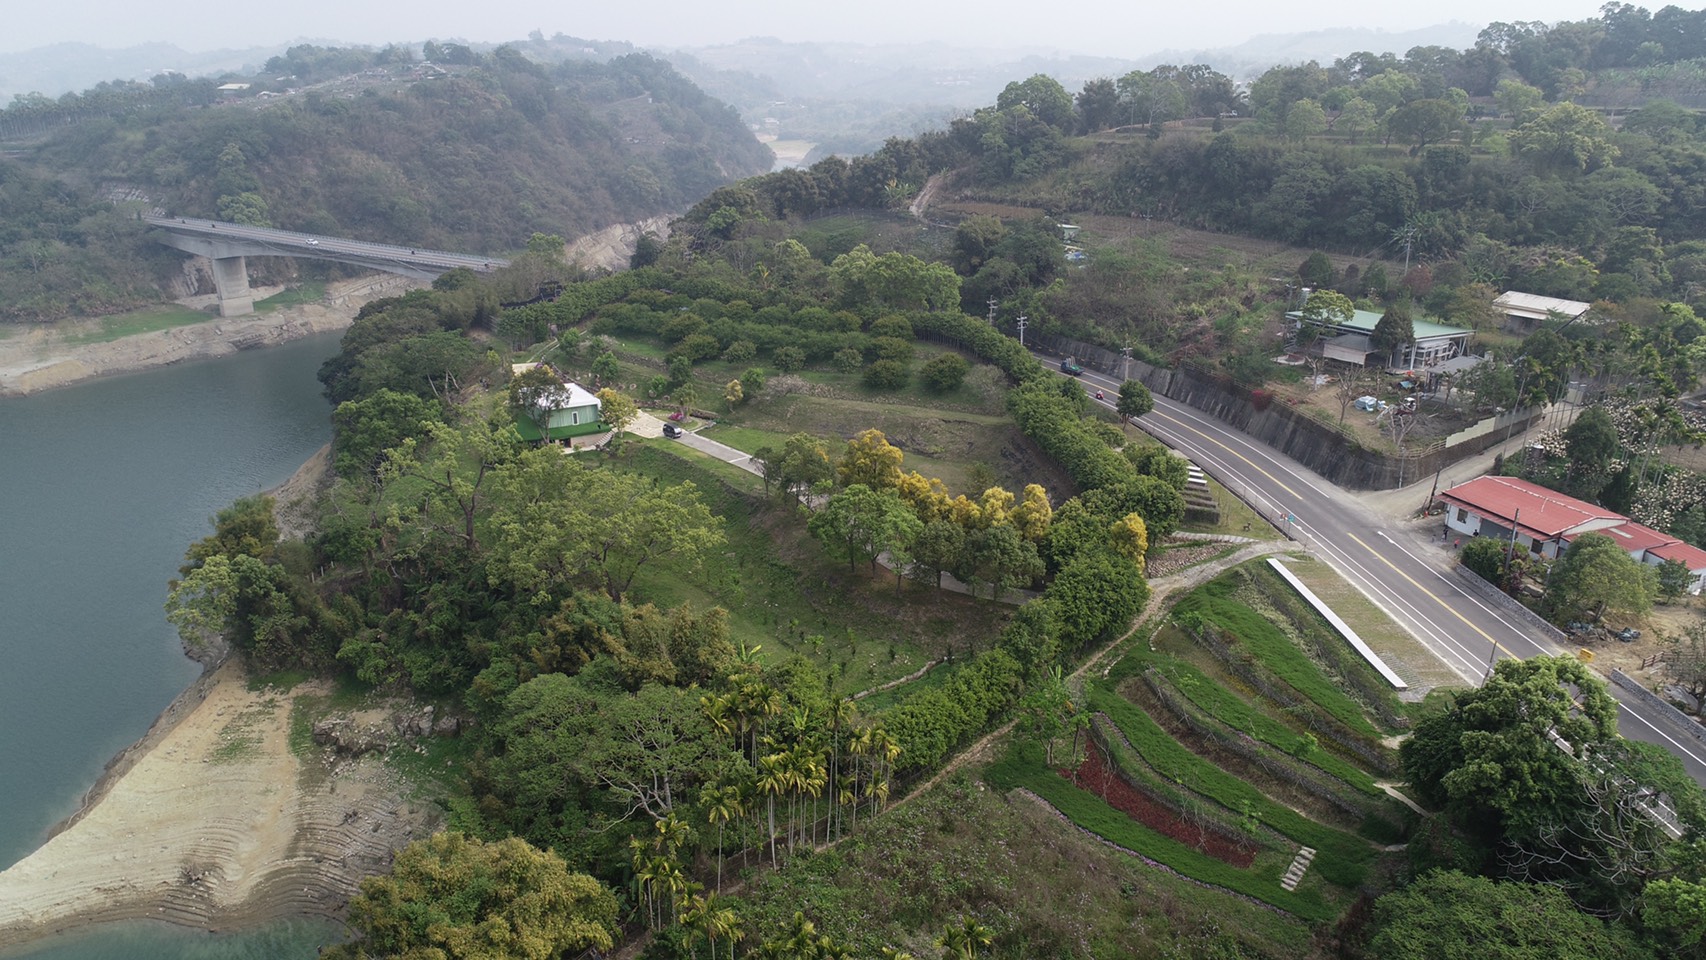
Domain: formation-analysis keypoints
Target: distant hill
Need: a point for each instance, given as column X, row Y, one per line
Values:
column 475, row 154
column 64, row 67
column 1248, row 60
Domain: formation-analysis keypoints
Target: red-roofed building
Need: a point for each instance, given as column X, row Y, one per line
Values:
column 1544, row 520
column 1686, row 554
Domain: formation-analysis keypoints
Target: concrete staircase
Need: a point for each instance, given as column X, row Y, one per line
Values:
column 1299, row 865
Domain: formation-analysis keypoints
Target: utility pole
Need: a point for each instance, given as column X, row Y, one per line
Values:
column 992, row 303
column 1125, row 361
column 1021, row 325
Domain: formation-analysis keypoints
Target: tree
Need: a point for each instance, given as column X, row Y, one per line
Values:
column 1135, row 399
column 1673, row 580
column 1000, row 557
column 364, row 429
column 945, row 372
column 1448, row 914
column 1395, row 329
column 457, row 897
column 1485, row 556
column 961, row 941
column 534, row 394
column 788, row 359
column 1596, row 574
column 733, row 393
column 1566, row 139
column 1044, row 97
column 870, row 460
column 1685, row 662
column 1424, row 121
column 1326, row 308
column 605, row 369
column 1305, row 119
column 1316, row 270
column 1675, row 908
column 859, row 523
column 939, row 548
column 616, row 410
column 1490, row 757
column 886, row 375
column 1592, row 446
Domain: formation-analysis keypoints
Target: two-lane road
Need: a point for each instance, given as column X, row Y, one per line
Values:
column 1383, row 560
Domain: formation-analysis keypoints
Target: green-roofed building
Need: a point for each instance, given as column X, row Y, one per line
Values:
column 1351, row 342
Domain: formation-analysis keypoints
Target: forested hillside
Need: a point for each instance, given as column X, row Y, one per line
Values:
column 475, row 154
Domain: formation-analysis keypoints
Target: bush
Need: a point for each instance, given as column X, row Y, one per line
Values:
column 789, row 359
column 892, row 348
column 946, row 372
column 848, row 360
column 699, row 346
column 887, row 375
column 741, row 351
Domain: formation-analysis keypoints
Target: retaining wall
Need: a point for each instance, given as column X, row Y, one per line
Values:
column 1683, row 720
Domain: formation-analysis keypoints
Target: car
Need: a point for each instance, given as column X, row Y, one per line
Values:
column 672, row 431
column 313, row 243
column 1628, row 634
column 1070, row 368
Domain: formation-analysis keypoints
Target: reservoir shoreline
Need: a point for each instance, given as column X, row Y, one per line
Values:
column 36, row 359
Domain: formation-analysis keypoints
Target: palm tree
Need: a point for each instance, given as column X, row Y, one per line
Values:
column 772, row 781
column 960, row 942
column 840, row 717
column 696, row 918
column 722, row 804
column 722, row 923
column 802, row 938
column 890, row 953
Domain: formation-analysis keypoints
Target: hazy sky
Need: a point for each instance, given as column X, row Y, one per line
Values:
column 1121, row 28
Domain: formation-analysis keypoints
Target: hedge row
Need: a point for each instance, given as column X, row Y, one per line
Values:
column 1249, row 670
column 932, row 723
column 1218, row 702
column 1213, row 602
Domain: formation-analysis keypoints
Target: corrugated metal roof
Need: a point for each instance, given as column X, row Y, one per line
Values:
column 1537, row 306
column 1545, row 512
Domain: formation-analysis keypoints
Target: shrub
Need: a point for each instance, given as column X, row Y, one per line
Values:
column 945, row 372
column 741, row 351
column 848, row 360
column 789, row 359
column 887, row 375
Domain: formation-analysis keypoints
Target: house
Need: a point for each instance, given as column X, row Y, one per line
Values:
column 1545, row 522
column 569, row 410
column 1525, row 311
column 1352, row 342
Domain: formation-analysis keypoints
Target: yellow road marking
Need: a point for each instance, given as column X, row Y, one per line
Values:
column 1453, row 611
column 1252, row 463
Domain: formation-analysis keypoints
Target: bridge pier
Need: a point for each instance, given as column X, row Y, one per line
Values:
column 231, row 279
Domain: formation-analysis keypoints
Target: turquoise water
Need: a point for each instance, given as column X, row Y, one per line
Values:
column 102, row 486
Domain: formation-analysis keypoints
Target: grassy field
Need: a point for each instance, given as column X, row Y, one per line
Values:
column 1046, row 890
column 783, row 592
column 138, row 321
column 309, row 291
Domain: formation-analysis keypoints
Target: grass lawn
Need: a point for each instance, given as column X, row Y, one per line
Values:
column 139, row 321
column 1419, row 666
column 310, row 291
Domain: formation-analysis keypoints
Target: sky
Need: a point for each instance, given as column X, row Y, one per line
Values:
column 1115, row 28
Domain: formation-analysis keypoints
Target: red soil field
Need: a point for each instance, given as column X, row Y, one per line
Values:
column 1095, row 776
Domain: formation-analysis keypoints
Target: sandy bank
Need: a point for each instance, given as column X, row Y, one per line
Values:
column 37, row 359
column 211, row 821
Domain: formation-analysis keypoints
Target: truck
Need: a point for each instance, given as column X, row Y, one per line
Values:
column 1071, row 369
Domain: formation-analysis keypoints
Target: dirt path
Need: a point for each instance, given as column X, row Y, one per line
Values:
column 1161, row 591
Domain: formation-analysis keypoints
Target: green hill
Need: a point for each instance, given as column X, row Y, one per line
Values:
column 476, row 154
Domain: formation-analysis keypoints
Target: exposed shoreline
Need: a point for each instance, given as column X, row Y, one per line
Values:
column 35, row 359
column 212, row 820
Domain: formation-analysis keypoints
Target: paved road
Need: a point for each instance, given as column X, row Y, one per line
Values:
column 1381, row 558
column 287, row 243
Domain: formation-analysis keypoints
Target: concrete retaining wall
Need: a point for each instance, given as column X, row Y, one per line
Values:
column 1507, row 603
column 1319, row 446
column 1683, row 720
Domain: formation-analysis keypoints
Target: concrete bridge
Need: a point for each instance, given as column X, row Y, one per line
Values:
column 227, row 244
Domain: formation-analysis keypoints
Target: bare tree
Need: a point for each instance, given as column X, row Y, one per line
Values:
column 1353, row 383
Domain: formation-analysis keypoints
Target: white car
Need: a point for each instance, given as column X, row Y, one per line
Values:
column 313, row 243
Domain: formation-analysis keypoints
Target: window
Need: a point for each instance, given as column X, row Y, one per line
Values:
column 574, row 417
column 1462, row 515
